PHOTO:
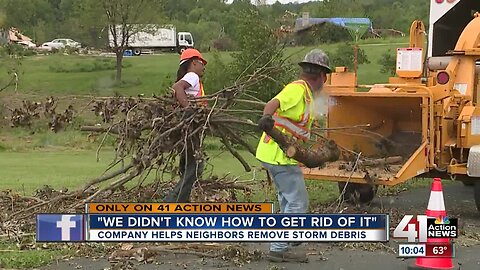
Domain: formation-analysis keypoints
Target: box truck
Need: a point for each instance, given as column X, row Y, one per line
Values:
column 155, row 37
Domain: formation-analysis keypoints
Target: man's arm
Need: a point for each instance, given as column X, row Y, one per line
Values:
column 271, row 107
column 180, row 94
column 266, row 122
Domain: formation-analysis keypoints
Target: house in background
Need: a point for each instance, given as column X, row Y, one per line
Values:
column 306, row 22
column 14, row 36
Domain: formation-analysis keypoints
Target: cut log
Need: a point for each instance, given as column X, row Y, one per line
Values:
column 308, row 157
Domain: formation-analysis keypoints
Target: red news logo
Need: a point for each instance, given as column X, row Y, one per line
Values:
column 423, row 227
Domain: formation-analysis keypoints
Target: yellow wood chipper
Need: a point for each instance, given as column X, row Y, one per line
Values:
column 425, row 122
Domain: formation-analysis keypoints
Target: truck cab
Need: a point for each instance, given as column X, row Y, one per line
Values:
column 185, row 40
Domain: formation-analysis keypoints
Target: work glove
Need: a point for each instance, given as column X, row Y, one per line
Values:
column 266, row 122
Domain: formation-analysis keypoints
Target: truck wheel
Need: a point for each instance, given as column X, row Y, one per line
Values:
column 181, row 50
column 476, row 194
column 137, row 52
column 357, row 193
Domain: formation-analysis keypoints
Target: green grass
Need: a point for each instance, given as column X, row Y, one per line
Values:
column 370, row 73
column 22, row 140
column 12, row 257
column 367, row 73
column 145, row 73
column 26, row 171
column 149, row 74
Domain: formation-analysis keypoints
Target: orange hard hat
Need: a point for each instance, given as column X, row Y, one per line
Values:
column 190, row 53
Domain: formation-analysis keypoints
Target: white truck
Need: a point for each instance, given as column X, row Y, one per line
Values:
column 155, row 37
column 448, row 18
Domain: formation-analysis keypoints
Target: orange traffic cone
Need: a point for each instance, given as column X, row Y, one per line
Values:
column 436, row 208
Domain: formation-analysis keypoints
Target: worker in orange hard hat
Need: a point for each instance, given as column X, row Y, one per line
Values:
column 192, row 67
column 188, row 83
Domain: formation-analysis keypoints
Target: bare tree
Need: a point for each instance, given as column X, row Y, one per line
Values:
column 125, row 18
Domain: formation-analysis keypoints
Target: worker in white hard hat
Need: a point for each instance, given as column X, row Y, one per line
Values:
column 291, row 112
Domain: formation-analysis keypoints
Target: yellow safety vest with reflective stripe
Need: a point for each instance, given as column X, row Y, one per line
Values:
column 297, row 126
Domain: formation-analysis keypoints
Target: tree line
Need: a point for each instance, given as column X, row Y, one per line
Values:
column 213, row 23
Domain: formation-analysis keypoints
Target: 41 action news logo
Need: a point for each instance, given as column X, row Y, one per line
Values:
column 423, row 227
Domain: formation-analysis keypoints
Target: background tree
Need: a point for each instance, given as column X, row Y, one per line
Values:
column 345, row 56
column 258, row 47
column 326, row 33
column 44, row 20
column 124, row 19
column 388, row 62
column 3, row 16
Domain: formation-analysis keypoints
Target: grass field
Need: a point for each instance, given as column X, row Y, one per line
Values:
column 60, row 168
column 149, row 74
column 26, row 171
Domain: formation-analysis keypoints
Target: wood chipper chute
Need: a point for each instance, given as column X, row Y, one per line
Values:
column 425, row 122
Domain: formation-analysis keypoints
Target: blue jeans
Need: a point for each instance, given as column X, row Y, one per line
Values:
column 291, row 191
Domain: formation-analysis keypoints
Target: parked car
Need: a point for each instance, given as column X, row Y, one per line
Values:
column 45, row 47
column 27, row 44
column 60, row 43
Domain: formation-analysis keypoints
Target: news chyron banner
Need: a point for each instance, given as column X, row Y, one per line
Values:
column 211, row 222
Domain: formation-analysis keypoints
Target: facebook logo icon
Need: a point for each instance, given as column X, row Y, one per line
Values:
column 60, row 228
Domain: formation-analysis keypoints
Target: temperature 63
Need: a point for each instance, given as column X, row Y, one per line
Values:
column 440, row 250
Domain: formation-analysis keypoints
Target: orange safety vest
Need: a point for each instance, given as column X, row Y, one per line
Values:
column 298, row 129
column 201, row 93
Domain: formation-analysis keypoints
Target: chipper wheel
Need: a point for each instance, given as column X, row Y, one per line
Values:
column 357, row 193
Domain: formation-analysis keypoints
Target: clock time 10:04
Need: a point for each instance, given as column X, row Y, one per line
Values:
column 412, row 250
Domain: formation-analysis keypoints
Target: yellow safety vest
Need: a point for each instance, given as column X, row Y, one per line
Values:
column 268, row 150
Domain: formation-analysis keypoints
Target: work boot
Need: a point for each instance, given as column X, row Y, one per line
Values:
column 287, row 256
